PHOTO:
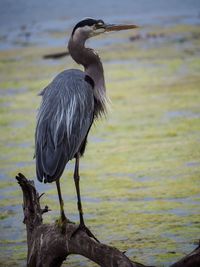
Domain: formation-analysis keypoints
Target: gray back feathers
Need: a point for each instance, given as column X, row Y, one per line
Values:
column 64, row 118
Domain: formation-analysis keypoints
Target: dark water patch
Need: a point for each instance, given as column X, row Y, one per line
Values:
column 77, row 260
column 94, row 139
column 189, row 201
column 51, row 61
column 138, row 188
column 177, row 212
column 5, row 214
column 70, row 165
column 13, row 243
column 7, row 191
column 151, row 212
column 131, row 61
column 74, row 217
column 19, row 124
column 114, row 236
column 91, row 199
column 12, row 227
column 11, row 144
column 181, row 114
column 42, row 187
column 143, row 252
column 5, row 179
column 9, row 209
column 26, row 144
column 183, row 212
column 174, row 237
column 68, row 198
column 134, row 176
column 193, row 164
column 22, row 164
column 6, row 104
column 193, row 200
column 12, row 91
column 144, row 179
column 149, row 38
column 3, row 176
column 22, row 36
column 145, row 199
column 131, row 199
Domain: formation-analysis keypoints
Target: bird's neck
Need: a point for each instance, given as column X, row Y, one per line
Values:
column 93, row 68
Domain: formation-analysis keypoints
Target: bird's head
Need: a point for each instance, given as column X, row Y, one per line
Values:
column 91, row 27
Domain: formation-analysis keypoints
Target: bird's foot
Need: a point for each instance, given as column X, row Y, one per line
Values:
column 62, row 223
column 84, row 228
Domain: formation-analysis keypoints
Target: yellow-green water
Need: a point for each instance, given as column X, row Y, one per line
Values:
column 140, row 176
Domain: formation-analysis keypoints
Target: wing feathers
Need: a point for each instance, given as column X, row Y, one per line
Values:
column 63, row 121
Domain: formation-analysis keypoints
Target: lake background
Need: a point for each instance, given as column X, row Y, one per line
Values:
column 140, row 175
column 40, row 17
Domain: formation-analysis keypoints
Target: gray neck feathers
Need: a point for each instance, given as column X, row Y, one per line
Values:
column 93, row 68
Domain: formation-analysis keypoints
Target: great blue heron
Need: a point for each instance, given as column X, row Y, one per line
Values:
column 70, row 104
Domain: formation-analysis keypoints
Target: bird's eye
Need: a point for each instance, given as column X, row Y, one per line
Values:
column 99, row 24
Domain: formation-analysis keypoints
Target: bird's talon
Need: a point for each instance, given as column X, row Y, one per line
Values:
column 62, row 223
column 84, row 228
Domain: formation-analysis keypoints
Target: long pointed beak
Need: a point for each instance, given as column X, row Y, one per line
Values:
column 119, row 27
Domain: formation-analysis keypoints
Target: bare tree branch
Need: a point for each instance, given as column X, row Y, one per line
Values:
column 49, row 245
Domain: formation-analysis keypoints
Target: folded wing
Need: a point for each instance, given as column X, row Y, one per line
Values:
column 64, row 118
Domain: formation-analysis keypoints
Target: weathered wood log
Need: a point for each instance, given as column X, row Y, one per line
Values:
column 50, row 244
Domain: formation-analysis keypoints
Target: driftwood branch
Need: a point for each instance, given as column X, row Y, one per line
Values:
column 56, row 55
column 49, row 245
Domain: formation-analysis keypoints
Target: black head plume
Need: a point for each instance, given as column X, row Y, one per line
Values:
column 88, row 22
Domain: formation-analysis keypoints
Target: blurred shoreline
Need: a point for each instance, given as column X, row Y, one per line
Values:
column 34, row 23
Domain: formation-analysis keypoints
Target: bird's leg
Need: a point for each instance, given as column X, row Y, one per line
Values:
column 62, row 213
column 76, row 180
column 62, row 222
